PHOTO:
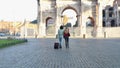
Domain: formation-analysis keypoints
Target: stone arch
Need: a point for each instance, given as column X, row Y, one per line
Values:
column 92, row 21
column 91, row 27
column 47, row 20
column 49, row 26
column 71, row 8
column 55, row 8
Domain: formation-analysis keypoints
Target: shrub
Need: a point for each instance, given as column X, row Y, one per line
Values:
column 9, row 42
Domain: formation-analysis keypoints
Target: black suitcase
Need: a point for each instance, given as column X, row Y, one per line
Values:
column 56, row 45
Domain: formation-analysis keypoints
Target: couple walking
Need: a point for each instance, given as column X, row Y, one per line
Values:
column 64, row 33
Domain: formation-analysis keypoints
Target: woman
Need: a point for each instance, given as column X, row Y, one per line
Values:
column 60, row 35
column 66, row 37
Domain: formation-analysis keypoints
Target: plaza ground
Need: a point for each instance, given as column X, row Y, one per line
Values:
column 83, row 53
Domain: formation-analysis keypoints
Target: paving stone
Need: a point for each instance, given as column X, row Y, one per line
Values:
column 83, row 53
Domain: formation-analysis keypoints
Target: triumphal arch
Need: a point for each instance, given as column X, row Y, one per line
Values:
column 83, row 17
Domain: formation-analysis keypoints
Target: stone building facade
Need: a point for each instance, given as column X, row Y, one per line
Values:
column 28, row 30
column 111, row 14
column 51, row 15
column 116, row 6
column 108, row 17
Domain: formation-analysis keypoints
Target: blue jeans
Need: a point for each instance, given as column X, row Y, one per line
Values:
column 60, row 40
column 66, row 42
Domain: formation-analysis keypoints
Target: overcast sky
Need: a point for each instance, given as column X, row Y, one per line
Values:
column 18, row 10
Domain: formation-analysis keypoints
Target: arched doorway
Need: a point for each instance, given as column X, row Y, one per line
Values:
column 70, row 19
column 70, row 14
column 49, row 26
column 49, row 21
column 90, row 27
column 90, row 22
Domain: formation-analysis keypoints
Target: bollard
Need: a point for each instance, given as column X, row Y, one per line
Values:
column 104, row 34
column 84, row 36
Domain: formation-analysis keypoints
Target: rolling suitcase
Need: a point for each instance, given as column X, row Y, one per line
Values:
column 56, row 45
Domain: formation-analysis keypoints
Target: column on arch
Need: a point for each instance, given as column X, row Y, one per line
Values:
column 83, row 19
column 86, row 11
column 58, row 14
column 99, row 19
column 41, row 25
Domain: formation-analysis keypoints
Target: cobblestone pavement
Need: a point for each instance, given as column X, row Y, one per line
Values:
column 83, row 53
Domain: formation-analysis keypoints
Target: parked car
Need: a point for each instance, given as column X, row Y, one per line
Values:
column 2, row 34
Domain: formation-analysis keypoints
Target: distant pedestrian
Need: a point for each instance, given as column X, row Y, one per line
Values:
column 60, row 35
column 66, row 37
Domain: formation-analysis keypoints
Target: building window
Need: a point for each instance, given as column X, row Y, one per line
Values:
column 110, row 14
column 103, row 13
column 103, row 23
column 110, row 11
column 112, row 23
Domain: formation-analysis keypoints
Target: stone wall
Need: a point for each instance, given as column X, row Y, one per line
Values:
column 111, row 32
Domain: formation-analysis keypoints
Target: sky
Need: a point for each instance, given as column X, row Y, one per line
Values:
column 71, row 14
column 18, row 10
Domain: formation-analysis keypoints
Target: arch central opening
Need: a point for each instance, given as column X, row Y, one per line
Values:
column 69, row 18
